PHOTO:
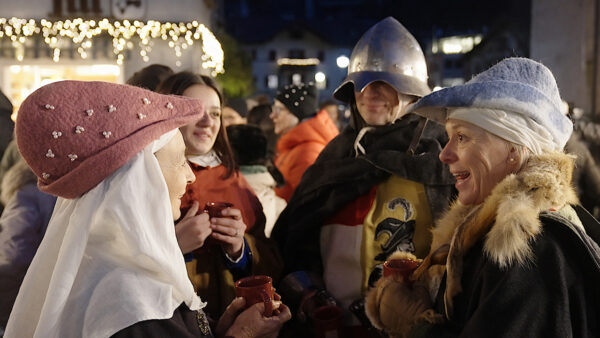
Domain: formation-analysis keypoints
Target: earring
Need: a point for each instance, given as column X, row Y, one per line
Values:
column 511, row 160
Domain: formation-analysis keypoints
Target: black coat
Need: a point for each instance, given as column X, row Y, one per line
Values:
column 555, row 296
column 338, row 177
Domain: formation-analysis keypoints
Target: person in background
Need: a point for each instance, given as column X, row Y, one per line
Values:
column 259, row 116
column 249, row 146
column 303, row 132
column 586, row 173
column 331, row 106
column 522, row 255
column 150, row 76
column 109, row 264
column 231, row 116
column 376, row 188
column 23, row 224
column 9, row 159
column 6, row 134
column 218, row 250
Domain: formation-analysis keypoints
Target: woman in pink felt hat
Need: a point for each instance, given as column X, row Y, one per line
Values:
column 109, row 263
column 219, row 250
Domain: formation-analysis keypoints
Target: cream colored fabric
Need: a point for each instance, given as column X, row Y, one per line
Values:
column 109, row 259
column 514, row 127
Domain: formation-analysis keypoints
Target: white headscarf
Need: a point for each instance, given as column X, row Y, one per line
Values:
column 108, row 260
column 511, row 126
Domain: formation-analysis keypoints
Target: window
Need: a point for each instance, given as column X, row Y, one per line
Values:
column 321, row 56
column 272, row 55
column 272, row 82
column 296, row 54
column 296, row 79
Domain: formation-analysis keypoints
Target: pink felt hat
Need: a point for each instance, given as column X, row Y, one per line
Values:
column 74, row 134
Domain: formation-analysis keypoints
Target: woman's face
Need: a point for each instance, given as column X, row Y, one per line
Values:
column 283, row 119
column 176, row 170
column 379, row 103
column 477, row 159
column 201, row 135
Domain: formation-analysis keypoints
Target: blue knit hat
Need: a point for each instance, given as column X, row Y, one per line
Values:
column 517, row 85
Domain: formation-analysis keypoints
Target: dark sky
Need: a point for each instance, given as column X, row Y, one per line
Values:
column 342, row 22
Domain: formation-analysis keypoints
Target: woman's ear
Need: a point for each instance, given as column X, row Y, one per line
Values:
column 512, row 155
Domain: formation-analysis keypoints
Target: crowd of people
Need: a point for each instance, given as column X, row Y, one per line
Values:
column 109, row 192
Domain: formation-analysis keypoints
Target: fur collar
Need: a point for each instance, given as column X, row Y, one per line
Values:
column 508, row 218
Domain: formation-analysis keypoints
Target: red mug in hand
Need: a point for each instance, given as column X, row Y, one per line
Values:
column 256, row 289
column 214, row 209
column 401, row 268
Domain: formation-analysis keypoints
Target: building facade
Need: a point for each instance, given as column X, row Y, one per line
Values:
column 108, row 40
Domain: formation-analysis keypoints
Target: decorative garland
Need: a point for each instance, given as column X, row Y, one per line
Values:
column 82, row 33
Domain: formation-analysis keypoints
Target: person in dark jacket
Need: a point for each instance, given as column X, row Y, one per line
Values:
column 109, row 263
column 522, row 255
column 22, row 226
column 374, row 189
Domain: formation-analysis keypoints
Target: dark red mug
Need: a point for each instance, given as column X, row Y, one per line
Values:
column 328, row 322
column 401, row 268
column 256, row 289
column 214, row 209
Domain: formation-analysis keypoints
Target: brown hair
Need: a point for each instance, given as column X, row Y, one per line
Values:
column 150, row 77
column 177, row 84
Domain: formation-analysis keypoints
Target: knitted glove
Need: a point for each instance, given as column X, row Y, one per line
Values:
column 396, row 308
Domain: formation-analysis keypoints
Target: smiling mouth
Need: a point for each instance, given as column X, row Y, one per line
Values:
column 202, row 135
column 461, row 176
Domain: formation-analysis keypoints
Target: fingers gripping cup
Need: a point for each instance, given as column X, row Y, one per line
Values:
column 214, row 209
column 400, row 267
column 256, row 289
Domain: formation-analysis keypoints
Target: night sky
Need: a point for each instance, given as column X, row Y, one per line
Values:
column 342, row 22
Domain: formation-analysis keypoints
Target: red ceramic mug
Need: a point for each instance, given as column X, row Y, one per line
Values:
column 214, row 209
column 401, row 268
column 327, row 320
column 256, row 289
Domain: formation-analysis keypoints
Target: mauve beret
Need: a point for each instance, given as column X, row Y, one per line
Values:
column 74, row 134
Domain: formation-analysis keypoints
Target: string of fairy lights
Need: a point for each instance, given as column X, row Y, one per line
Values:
column 81, row 33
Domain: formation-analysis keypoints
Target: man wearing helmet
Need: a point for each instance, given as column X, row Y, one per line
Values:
column 375, row 189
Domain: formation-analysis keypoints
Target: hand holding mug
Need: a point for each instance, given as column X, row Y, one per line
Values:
column 192, row 230
column 401, row 266
column 227, row 227
column 257, row 289
column 242, row 322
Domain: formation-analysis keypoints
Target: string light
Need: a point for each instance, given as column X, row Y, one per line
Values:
column 82, row 33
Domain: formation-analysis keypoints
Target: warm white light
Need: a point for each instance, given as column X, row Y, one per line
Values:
column 298, row 62
column 79, row 33
column 320, row 77
column 342, row 61
column 457, row 44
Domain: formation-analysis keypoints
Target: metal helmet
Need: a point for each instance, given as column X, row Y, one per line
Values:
column 386, row 52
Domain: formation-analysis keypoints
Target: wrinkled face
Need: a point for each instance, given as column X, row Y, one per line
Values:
column 379, row 103
column 176, row 170
column 478, row 160
column 200, row 136
column 283, row 119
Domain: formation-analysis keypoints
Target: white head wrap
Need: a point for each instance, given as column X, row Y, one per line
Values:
column 511, row 126
column 108, row 260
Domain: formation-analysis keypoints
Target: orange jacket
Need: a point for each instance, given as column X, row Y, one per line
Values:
column 298, row 149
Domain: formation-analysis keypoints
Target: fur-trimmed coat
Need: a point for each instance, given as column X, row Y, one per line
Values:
column 521, row 263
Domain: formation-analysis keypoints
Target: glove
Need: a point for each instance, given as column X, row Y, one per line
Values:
column 396, row 308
